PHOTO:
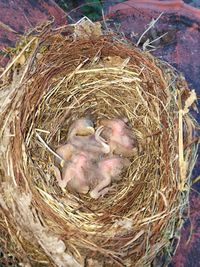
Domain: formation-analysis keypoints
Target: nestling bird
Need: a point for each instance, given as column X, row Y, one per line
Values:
column 108, row 170
column 88, row 161
column 73, row 173
column 92, row 143
column 82, row 136
column 82, row 148
column 119, row 137
column 81, row 127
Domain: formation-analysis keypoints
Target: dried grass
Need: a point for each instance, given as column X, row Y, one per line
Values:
column 63, row 78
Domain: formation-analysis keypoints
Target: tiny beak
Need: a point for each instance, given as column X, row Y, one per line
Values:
column 85, row 131
column 102, row 140
column 97, row 134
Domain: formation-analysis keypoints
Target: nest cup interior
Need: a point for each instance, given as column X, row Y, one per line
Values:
column 105, row 78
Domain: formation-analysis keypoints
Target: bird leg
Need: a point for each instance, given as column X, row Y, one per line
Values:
column 98, row 190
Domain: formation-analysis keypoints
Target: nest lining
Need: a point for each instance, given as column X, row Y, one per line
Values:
column 65, row 79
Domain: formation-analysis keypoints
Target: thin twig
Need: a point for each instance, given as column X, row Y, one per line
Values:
column 46, row 146
column 17, row 57
column 151, row 25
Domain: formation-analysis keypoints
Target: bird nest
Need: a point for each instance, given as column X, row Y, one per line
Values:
column 56, row 77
